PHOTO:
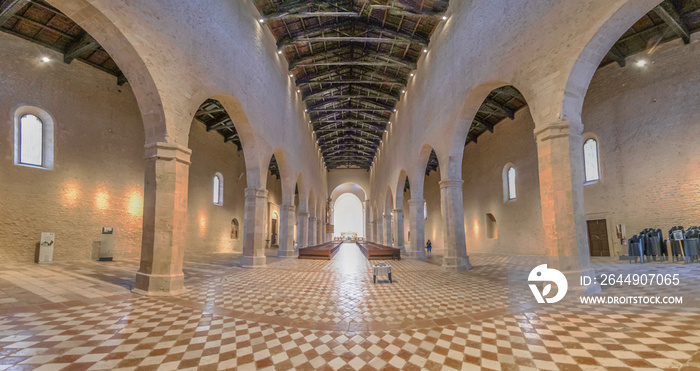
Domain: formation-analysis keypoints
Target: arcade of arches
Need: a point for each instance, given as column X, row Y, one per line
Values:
column 162, row 167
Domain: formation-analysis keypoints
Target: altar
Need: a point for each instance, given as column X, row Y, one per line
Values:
column 349, row 236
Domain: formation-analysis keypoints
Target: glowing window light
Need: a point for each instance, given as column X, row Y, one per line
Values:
column 31, row 140
column 102, row 200
column 134, row 203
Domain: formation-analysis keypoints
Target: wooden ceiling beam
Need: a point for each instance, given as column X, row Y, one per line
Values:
column 354, row 63
column 283, row 44
column 317, row 58
column 354, row 96
column 348, row 82
column 317, row 110
column 667, row 12
column 499, row 108
column 10, row 8
column 616, row 54
column 79, row 47
column 362, row 100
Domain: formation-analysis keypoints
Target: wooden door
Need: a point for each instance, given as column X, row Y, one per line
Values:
column 598, row 237
column 274, row 232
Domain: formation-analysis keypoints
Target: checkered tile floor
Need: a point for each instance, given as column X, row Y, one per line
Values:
column 328, row 315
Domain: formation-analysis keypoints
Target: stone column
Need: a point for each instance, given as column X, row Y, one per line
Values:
column 417, row 244
column 373, row 231
column 387, row 229
column 166, row 180
column 254, row 228
column 452, row 208
column 398, row 230
column 312, row 230
column 286, row 248
column 560, row 165
column 380, row 230
column 302, row 229
column 321, row 230
column 368, row 222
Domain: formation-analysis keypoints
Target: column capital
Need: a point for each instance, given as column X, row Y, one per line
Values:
column 303, row 213
column 290, row 208
column 557, row 129
column 396, row 211
column 387, row 216
column 312, row 218
column 255, row 192
column 168, row 151
column 451, row 183
column 413, row 202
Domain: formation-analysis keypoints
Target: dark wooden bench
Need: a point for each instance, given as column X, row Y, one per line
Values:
column 324, row 251
column 374, row 251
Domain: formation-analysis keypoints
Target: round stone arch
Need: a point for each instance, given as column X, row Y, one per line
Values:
column 105, row 26
column 587, row 61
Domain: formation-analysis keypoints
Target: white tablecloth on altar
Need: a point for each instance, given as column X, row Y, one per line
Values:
column 382, row 269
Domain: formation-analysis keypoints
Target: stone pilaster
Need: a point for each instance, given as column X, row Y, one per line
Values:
column 302, row 229
column 368, row 222
column 286, row 248
column 560, row 165
column 452, row 208
column 254, row 228
column 380, row 230
column 417, row 243
column 164, row 220
column 399, row 230
column 373, row 231
column 321, row 230
column 312, row 230
column 388, row 229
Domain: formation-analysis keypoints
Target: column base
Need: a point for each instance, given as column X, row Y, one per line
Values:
column 286, row 254
column 456, row 263
column 159, row 285
column 253, row 261
column 415, row 255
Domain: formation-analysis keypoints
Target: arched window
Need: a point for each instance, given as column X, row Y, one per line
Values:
column 218, row 184
column 509, row 183
column 590, row 160
column 425, row 210
column 31, row 140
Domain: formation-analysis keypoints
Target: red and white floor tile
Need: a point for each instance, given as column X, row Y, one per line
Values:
column 326, row 315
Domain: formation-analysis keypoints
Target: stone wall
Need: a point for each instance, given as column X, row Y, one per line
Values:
column 433, row 224
column 209, row 225
column 645, row 120
column 97, row 180
column 647, row 123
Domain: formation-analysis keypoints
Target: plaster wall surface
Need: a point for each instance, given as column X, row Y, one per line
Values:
column 209, row 225
column 519, row 221
column 179, row 61
column 357, row 176
column 434, row 227
column 546, row 38
column 97, row 180
column 645, row 121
